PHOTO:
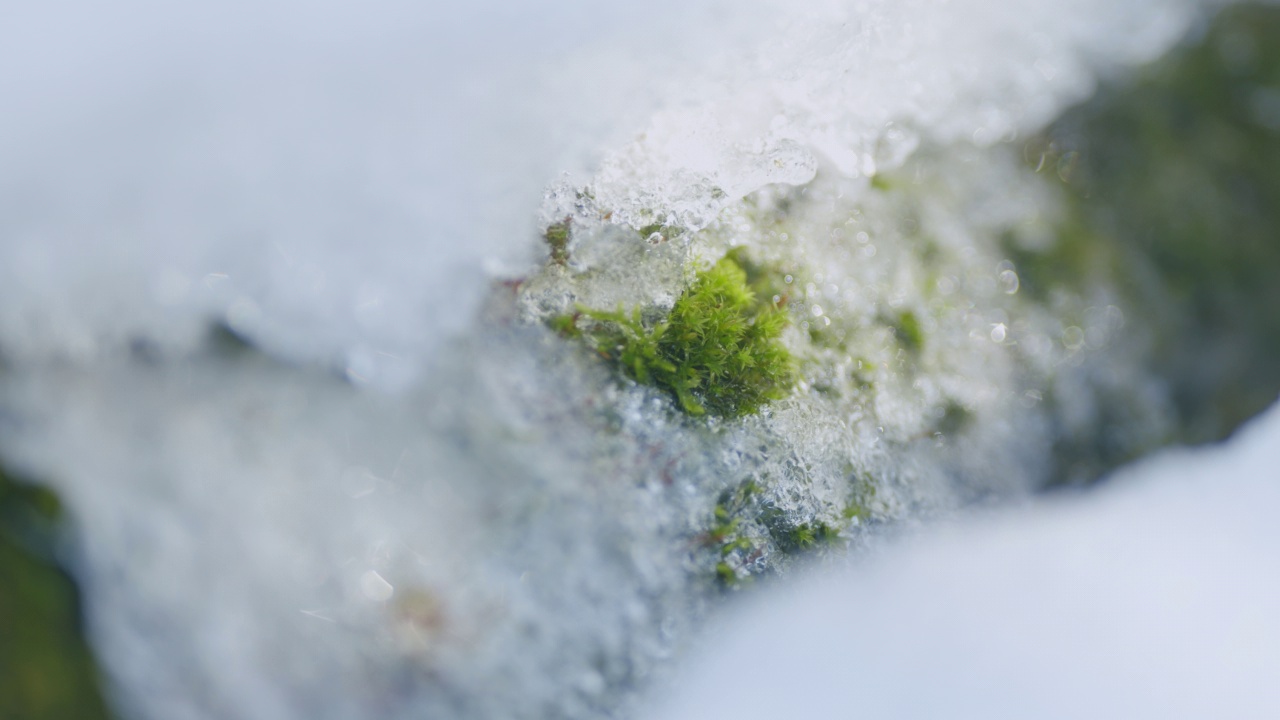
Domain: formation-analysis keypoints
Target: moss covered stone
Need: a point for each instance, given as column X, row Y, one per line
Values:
column 1170, row 184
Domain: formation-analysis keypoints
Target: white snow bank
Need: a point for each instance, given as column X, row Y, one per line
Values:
column 334, row 179
column 337, row 179
column 1154, row 597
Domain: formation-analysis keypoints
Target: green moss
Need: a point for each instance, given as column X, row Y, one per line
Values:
column 718, row 351
column 566, row 325
column 955, row 418
column 906, row 327
column 724, row 527
column 881, row 182
column 826, row 338
column 46, row 671
column 855, row 510
column 804, row 536
column 557, row 237
column 862, row 496
column 733, row 549
column 767, row 281
column 667, row 232
column 726, row 575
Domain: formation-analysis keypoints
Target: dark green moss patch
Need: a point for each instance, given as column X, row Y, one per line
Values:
column 557, row 237
column 802, row 537
column 664, row 232
column 1170, row 183
column 734, row 549
column 718, row 351
column 46, row 671
column 906, row 328
column 955, row 418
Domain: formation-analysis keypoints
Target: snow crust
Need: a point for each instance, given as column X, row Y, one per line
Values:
column 1152, row 597
column 336, row 181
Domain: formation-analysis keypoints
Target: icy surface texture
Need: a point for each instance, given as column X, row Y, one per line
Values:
column 289, row 547
column 1077, row 606
column 854, row 86
column 500, row 526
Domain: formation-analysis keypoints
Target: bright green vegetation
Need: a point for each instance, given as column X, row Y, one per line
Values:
column 46, row 671
column 717, row 352
column 907, row 329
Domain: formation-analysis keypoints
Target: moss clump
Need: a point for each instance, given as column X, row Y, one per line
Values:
column 726, row 575
column 734, row 549
column 805, row 536
column 557, row 237
column 908, row 331
column 718, row 351
column 664, row 232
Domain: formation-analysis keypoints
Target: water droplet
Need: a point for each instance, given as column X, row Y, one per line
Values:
column 1008, row 280
column 1073, row 338
column 998, row 332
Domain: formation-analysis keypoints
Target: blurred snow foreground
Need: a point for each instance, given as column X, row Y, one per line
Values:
column 404, row 496
column 1153, row 598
